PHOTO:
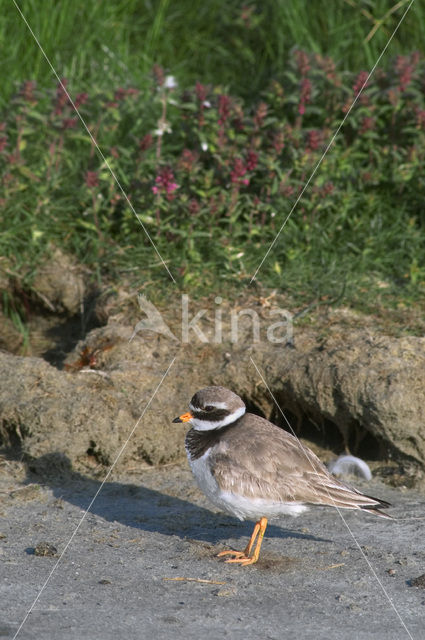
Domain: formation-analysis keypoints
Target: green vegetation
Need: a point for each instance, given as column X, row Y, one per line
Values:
column 241, row 45
column 214, row 165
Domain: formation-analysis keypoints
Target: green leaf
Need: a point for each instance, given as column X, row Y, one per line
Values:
column 87, row 225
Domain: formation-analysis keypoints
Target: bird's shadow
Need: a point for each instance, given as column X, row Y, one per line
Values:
column 144, row 508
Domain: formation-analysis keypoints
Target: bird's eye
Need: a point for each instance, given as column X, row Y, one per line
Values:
column 209, row 407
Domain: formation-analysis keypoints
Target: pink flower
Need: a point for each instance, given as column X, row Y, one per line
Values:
column 240, row 168
column 187, row 160
column 286, row 190
column 223, row 109
column 164, row 183
column 393, row 96
column 246, row 16
column 405, row 66
column 313, row 140
column 238, row 172
column 201, row 92
column 368, row 123
column 69, row 123
column 251, row 160
column 92, row 179
column 278, row 142
column 305, row 96
column 27, row 91
column 329, row 67
column 260, row 114
column 81, row 98
column 194, row 206
column 327, row 189
column 303, row 63
column 359, row 85
column 61, row 96
column 121, row 93
column 146, row 142
column 159, row 75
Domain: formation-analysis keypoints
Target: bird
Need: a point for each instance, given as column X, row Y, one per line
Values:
column 253, row 469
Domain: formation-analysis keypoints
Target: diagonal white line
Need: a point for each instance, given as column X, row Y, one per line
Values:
column 92, row 501
column 94, row 141
column 330, row 143
column 372, row 570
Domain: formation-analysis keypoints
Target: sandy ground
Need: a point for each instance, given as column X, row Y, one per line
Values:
column 143, row 563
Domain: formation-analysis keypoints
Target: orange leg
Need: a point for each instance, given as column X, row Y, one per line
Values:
column 244, row 557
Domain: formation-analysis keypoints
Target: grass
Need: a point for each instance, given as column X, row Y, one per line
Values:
column 357, row 232
column 239, row 45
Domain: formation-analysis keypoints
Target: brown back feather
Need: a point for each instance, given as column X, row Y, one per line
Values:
column 260, row 460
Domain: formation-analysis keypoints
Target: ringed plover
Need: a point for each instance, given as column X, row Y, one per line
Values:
column 253, row 469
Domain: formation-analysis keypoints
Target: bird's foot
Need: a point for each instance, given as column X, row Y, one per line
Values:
column 230, row 552
column 245, row 557
column 239, row 557
column 243, row 560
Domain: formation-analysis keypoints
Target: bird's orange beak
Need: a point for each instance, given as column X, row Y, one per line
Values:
column 184, row 418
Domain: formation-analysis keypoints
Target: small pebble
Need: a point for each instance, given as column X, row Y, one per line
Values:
column 418, row 582
column 226, row 591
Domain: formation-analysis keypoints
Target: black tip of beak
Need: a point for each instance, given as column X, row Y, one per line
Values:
column 177, row 420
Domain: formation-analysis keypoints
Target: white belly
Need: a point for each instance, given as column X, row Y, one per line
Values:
column 239, row 506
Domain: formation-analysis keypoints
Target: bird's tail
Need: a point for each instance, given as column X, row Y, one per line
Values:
column 376, row 508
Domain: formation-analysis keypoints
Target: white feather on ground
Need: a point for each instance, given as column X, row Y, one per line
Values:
column 350, row 465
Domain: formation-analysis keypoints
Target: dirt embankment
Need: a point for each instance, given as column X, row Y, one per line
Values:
column 340, row 383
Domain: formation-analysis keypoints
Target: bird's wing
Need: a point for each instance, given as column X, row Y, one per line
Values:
column 264, row 461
